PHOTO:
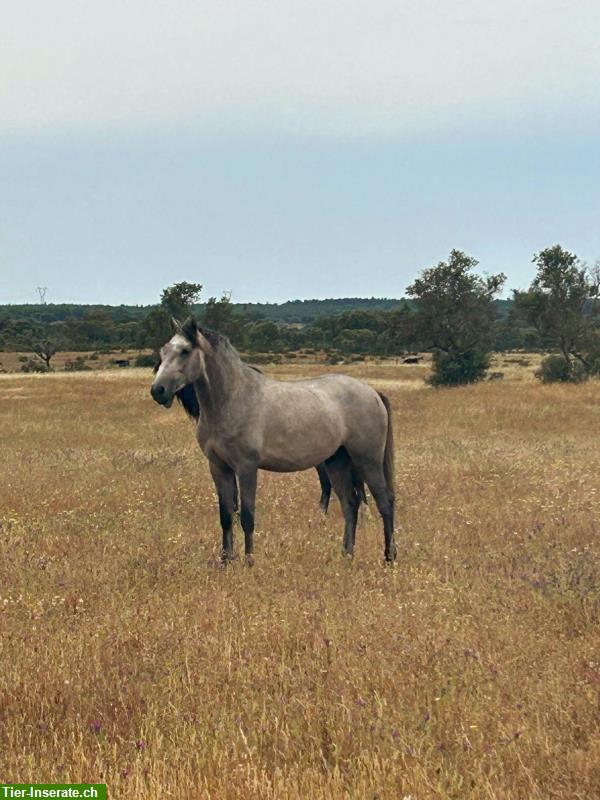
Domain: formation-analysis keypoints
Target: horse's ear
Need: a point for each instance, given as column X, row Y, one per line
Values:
column 204, row 344
column 175, row 325
column 194, row 335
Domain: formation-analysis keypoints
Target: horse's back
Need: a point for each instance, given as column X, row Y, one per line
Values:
column 316, row 416
column 340, row 393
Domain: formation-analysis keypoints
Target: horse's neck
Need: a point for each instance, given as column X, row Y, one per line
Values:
column 226, row 378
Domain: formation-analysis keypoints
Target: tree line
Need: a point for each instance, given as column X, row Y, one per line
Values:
column 450, row 310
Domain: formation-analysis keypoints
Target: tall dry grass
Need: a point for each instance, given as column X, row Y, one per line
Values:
column 470, row 670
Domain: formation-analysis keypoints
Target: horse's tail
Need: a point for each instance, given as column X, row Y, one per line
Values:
column 388, row 455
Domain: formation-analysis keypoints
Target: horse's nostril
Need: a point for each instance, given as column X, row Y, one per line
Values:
column 157, row 391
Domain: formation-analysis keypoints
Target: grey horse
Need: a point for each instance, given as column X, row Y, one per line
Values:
column 189, row 400
column 248, row 422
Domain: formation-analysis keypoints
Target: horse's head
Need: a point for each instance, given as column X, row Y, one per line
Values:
column 181, row 361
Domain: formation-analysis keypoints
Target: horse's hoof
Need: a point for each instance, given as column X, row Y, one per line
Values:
column 249, row 560
column 349, row 554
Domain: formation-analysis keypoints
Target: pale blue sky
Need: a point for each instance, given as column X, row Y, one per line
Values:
column 285, row 149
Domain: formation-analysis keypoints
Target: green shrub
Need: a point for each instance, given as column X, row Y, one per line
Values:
column 456, row 369
column 555, row 369
column 145, row 360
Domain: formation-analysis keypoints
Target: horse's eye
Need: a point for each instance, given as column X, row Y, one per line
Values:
column 185, row 352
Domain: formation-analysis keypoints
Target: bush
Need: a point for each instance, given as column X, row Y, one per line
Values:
column 265, row 358
column 555, row 369
column 33, row 366
column 595, row 365
column 456, row 369
column 145, row 360
column 77, row 365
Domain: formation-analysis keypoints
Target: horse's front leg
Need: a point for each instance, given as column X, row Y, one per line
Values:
column 224, row 478
column 247, row 480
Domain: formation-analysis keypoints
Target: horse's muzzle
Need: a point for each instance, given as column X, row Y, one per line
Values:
column 161, row 395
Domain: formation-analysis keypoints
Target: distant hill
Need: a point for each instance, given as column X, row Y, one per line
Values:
column 309, row 310
column 58, row 312
column 292, row 311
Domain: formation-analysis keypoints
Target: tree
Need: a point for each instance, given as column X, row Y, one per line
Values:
column 221, row 316
column 94, row 329
column 562, row 304
column 356, row 340
column 45, row 349
column 175, row 302
column 263, row 337
column 398, row 330
column 454, row 316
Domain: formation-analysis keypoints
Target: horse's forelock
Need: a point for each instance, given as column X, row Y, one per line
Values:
column 190, row 330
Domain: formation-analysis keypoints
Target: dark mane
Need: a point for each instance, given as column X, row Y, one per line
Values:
column 189, row 400
column 215, row 339
column 190, row 328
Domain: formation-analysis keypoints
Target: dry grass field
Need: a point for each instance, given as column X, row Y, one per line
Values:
column 469, row 670
column 13, row 361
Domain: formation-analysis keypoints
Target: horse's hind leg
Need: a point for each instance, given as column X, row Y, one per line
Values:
column 339, row 470
column 384, row 498
column 325, row 487
column 236, row 503
column 248, row 480
column 224, row 479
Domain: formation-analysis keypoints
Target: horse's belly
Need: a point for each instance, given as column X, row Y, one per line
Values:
column 287, row 458
column 285, row 465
